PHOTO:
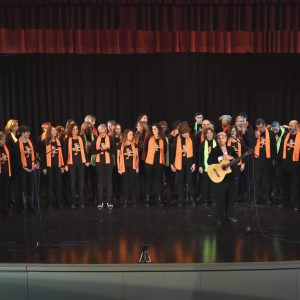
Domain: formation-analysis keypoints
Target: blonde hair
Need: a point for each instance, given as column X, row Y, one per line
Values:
column 9, row 125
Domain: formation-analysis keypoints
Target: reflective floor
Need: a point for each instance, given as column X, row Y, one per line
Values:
column 173, row 235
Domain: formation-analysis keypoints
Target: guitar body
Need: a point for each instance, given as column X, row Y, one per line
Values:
column 216, row 172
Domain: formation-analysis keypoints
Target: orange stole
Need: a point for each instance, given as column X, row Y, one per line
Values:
column 178, row 156
column 48, row 153
column 23, row 158
column 107, row 144
column 296, row 148
column 229, row 142
column 151, row 151
column 121, row 162
column 70, row 154
column 267, row 145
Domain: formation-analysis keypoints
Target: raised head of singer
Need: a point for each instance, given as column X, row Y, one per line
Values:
column 223, row 191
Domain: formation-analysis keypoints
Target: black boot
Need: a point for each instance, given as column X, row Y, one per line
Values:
column 25, row 204
column 125, row 202
column 159, row 202
column 147, row 200
column 180, row 200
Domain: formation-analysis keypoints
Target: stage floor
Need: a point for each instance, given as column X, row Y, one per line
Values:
column 174, row 235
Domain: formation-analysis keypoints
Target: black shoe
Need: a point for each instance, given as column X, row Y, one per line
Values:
column 159, row 202
column 109, row 205
column 218, row 223
column 232, row 220
column 283, row 204
column 147, row 200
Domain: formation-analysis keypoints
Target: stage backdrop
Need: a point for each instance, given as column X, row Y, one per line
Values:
column 36, row 88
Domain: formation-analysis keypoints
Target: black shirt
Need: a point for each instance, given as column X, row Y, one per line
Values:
column 4, row 161
column 128, row 157
column 76, row 152
column 27, row 151
column 54, row 154
column 290, row 147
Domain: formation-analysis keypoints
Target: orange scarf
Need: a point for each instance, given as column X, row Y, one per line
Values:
column 121, row 162
column 229, row 142
column 107, row 144
column 267, row 145
column 22, row 152
column 296, row 148
column 70, row 153
column 178, row 156
column 202, row 137
column 8, row 161
column 95, row 132
column 151, row 151
column 49, row 154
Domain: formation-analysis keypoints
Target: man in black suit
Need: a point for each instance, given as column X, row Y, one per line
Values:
column 222, row 191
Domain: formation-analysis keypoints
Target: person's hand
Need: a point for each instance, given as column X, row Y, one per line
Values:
column 62, row 170
column 227, row 157
column 137, row 170
column 201, row 170
column 66, row 168
column 87, row 164
column 257, row 134
column 27, row 170
column 242, row 168
column 45, row 171
column 173, row 168
column 193, row 167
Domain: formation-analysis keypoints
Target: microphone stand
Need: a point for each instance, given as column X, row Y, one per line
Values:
column 248, row 226
column 38, row 205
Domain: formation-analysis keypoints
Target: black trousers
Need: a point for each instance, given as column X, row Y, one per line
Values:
column 142, row 179
column 154, row 179
column 28, row 186
column 54, row 186
column 276, row 177
column 224, row 201
column 117, row 183
column 184, row 178
column 4, row 188
column 27, row 182
column 290, row 182
column 262, row 177
column 76, row 172
column 206, row 184
column 90, row 182
column 129, row 184
column 104, row 180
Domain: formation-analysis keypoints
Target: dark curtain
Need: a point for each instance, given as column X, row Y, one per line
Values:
column 36, row 88
column 145, row 26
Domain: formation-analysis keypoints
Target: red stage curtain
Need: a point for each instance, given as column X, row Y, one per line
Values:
column 145, row 26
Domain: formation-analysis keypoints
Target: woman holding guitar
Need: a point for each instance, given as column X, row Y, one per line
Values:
column 223, row 190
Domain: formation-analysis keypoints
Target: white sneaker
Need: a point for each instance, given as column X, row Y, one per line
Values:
column 100, row 206
column 110, row 205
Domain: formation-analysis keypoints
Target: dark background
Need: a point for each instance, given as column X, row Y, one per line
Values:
column 36, row 88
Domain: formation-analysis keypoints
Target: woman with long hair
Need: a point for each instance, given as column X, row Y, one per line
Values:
column 183, row 163
column 52, row 164
column 204, row 151
column 155, row 150
column 75, row 158
column 140, row 137
column 128, row 166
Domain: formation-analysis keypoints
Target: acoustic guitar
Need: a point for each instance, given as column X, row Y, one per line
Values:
column 217, row 172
